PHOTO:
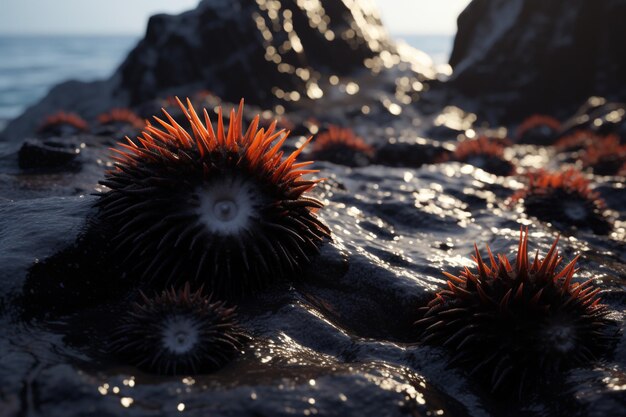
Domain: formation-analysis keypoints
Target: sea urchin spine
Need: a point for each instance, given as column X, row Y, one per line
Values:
column 518, row 324
column 178, row 332
column 221, row 207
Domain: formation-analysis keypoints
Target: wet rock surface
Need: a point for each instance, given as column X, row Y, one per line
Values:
column 337, row 338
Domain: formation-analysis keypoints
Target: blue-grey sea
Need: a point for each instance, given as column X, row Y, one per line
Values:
column 31, row 65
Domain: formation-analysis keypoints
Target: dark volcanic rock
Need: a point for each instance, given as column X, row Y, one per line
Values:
column 53, row 153
column 291, row 53
column 225, row 45
column 517, row 57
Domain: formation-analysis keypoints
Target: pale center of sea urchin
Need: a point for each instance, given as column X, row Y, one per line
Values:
column 559, row 335
column 575, row 210
column 478, row 161
column 227, row 206
column 180, row 334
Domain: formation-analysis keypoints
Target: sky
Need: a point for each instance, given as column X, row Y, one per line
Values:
column 129, row 17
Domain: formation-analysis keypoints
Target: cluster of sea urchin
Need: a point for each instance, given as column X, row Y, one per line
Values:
column 223, row 208
column 538, row 130
column 121, row 116
column 515, row 325
column 483, row 153
column 62, row 123
column 341, row 146
column 178, row 332
column 564, row 199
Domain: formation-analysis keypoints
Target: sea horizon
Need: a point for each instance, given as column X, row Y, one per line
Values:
column 33, row 63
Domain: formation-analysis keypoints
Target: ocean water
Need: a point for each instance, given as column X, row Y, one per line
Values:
column 31, row 65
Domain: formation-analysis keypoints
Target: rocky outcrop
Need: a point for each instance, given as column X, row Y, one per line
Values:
column 512, row 58
column 253, row 48
column 290, row 53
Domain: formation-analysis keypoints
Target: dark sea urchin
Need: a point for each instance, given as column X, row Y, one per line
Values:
column 121, row 116
column 178, row 332
column 483, row 153
column 516, row 325
column 564, row 199
column 538, row 130
column 341, row 146
column 61, row 124
column 222, row 208
column 605, row 156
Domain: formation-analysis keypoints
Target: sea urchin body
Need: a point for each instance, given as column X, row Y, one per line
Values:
column 221, row 207
column 178, row 332
column 518, row 324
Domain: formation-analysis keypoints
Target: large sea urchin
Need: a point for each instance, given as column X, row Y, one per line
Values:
column 518, row 324
column 178, row 332
column 564, row 199
column 221, row 207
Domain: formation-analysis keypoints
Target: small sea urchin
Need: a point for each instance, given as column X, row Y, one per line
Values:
column 564, row 199
column 121, row 116
column 341, row 146
column 483, row 153
column 62, row 124
column 520, row 324
column 577, row 141
column 605, row 156
column 178, row 332
column 221, row 207
column 538, row 130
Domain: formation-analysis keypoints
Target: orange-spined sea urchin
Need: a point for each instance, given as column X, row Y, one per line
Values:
column 178, row 332
column 605, row 156
column 483, row 153
column 564, row 199
column 516, row 325
column 221, row 207
column 538, row 130
column 62, row 123
column 341, row 146
column 121, row 116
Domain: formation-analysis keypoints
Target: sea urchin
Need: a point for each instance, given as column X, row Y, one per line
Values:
column 341, row 146
column 223, row 208
column 121, row 116
column 538, row 130
column 62, row 124
column 178, row 332
column 518, row 324
column 483, row 153
column 564, row 199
